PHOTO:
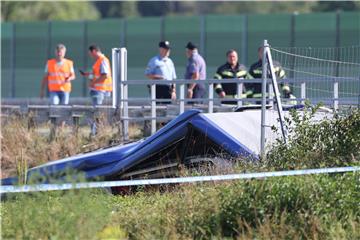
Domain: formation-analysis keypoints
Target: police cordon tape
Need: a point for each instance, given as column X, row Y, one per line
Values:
column 142, row 182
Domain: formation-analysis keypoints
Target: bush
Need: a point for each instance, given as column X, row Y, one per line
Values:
column 329, row 143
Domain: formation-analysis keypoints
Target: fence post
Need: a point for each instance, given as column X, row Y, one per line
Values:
column 117, row 85
column 211, row 98
column 263, row 102
column 336, row 95
column 292, row 42
column 337, row 43
column 203, row 35
column 244, row 46
column 123, row 36
column 239, row 91
column 153, row 108
column 162, row 28
column 124, row 92
column 49, row 48
column 13, row 61
column 85, row 43
column 303, row 92
column 271, row 94
column 49, row 39
column 182, row 98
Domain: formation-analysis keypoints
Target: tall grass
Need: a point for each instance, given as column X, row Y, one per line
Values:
column 24, row 147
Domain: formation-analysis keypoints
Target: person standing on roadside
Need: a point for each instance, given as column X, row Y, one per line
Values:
column 100, row 77
column 59, row 72
column 196, row 70
column 161, row 67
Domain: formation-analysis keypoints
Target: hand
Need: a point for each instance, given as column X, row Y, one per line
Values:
column 173, row 95
column 67, row 79
column 85, row 74
column 190, row 93
column 222, row 94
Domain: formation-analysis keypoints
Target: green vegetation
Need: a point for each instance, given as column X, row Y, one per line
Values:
column 321, row 207
column 302, row 207
column 21, row 11
column 70, row 10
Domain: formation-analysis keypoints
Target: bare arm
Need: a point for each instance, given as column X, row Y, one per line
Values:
column 43, row 85
column 100, row 79
column 70, row 77
column 194, row 76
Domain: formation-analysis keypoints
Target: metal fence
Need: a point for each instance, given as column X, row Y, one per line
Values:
column 26, row 46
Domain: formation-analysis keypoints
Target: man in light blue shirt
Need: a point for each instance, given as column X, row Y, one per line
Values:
column 161, row 67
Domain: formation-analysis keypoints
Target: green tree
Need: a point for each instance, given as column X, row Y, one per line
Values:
column 117, row 9
column 254, row 7
column 332, row 6
column 33, row 11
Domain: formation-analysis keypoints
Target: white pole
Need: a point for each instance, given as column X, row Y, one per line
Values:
column 114, row 64
column 263, row 102
column 182, row 98
column 211, row 98
column 303, row 92
column 239, row 91
column 277, row 95
column 153, row 108
column 124, row 92
column 336, row 95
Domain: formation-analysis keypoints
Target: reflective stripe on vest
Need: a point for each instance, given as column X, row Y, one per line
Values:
column 57, row 75
column 241, row 73
column 106, row 85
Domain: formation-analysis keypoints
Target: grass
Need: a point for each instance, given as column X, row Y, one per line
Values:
column 302, row 207
column 25, row 147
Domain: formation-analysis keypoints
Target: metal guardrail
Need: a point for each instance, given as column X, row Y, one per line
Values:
column 209, row 104
column 210, row 101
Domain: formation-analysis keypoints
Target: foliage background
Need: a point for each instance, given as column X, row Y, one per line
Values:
column 87, row 10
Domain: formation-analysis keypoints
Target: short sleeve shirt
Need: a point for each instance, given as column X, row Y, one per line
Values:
column 161, row 66
column 104, row 67
column 196, row 64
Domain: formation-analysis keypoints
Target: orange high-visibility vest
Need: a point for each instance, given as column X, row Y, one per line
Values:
column 105, row 85
column 57, row 74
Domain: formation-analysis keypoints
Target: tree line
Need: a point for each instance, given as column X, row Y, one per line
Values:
column 88, row 10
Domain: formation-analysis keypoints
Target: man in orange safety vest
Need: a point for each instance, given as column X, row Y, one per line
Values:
column 100, row 77
column 59, row 72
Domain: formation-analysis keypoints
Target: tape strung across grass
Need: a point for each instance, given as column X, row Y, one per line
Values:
column 123, row 183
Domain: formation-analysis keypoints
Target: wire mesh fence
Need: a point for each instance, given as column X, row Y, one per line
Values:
column 328, row 75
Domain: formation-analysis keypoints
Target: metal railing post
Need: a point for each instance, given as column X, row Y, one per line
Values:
column 13, row 61
column 277, row 95
column 244, row 45
column 153, row 108
column 303, row 92
column 85, row 59
column 182, row 98
column 115, row 76
column 124, row 92
column 239, row 91
column 211, row 98
column 263, row 102
column 203, row 36
column 271, row 94
column 336, row 95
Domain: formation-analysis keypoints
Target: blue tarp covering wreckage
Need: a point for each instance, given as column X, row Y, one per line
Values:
column 192, row 135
